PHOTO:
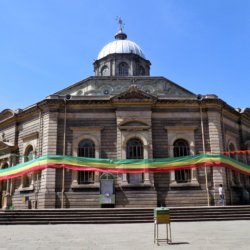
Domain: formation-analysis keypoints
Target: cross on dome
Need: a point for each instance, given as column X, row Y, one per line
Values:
column 120, row 23
column 120, row 35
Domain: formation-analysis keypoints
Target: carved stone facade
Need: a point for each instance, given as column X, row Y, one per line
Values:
column 122, row 117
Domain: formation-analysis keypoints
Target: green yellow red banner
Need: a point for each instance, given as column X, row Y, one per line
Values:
column 124, row 166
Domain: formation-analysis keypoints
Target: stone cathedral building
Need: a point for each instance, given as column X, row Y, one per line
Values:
column 123, row 113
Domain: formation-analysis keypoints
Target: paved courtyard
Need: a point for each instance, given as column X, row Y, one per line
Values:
column 188, row 235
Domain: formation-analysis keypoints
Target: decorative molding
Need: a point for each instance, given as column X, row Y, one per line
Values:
column 79, row 129
column 139, row 185
column 6, row 114
column 131, row 128
column 180, row 128
column 184, row 185
column 6, row 156
column 30, row 136
column 85, row 186
column 131, row 123
column 133, row 93
column 5, row 145
column 25, row 189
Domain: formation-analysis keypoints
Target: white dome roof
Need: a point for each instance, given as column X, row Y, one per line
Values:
column 121, row 47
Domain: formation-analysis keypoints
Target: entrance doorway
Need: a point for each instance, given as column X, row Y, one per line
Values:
column 107, row 190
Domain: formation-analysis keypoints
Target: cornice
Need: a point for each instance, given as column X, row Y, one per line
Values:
column 89, row 128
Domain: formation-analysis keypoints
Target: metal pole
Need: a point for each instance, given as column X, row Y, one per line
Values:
column 204, row 151
column 64, row 145
column 40, row 138
column 11, row 180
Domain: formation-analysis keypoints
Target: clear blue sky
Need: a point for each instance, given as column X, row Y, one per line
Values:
column 47, row 45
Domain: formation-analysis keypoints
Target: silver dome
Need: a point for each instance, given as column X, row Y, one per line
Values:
column 121, row 47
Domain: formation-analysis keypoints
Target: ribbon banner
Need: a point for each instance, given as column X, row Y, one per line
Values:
column 124, row 166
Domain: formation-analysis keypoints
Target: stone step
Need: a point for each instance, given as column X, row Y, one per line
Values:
column 119, row 215
column 44, row 222
column 125, row 214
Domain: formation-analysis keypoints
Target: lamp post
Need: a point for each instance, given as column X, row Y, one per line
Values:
column 200, row 98
column 66, row 98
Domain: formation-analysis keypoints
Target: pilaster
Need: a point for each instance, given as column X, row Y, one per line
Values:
column 49, row 147
column 216, row 146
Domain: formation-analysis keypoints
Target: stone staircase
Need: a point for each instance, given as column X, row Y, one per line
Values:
column 120, row 215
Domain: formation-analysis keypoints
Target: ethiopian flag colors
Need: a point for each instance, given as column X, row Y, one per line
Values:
column 124, row 166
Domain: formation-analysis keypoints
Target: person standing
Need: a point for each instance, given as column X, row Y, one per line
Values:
column 221, row 195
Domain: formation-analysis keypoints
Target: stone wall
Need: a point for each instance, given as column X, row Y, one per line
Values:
column 111, row 127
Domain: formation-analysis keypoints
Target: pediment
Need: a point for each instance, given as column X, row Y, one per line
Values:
column 133, row 125
column 246, row 112
column 133, row 93
column 6, row 114
column 4, row 145
column 78, row 88
column 114, row 86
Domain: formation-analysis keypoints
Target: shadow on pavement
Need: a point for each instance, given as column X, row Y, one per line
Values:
column 178, row 243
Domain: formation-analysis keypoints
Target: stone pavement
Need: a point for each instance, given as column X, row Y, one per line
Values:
column 185, row 235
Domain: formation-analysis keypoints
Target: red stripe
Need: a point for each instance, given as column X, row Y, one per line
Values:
column 125, row 170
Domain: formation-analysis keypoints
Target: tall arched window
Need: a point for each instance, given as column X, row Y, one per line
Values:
column 86, row 148
column 141, row 71
column 231, row 149
column 28, row 156
column 105, row 71
column 4, row 182
column 181, row 148
column 247, row 153
column 134, row 150
column 235, row 175
column 123, row 69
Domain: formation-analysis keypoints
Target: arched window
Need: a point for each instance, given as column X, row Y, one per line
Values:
column 141, row 71
column 86, row 148
column 247, row 153
column 105, row 71
column 4, row 182
column 181, row 148
column 5, row 165
column 28, row 156
column 231, row 149
column 123, row 69
column 134, row 150
column 235, row 175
